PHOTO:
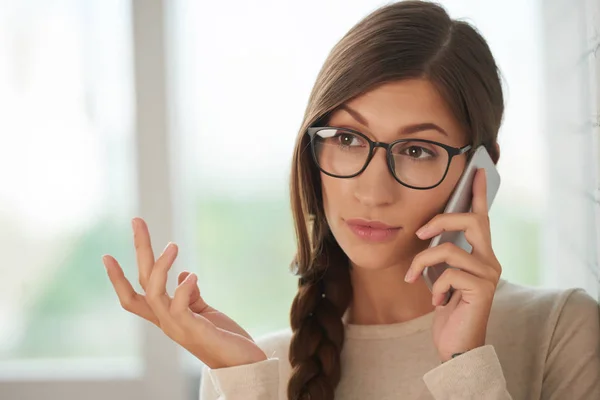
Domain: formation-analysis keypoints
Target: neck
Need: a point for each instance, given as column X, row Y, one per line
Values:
column 381, row 297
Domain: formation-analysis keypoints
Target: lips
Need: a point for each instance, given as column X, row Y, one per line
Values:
column 373, row 231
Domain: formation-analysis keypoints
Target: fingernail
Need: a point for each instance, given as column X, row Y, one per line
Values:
column 170, row 249
column 193, row 278
column 408, row 276
column 133, row 223
column 423, row 231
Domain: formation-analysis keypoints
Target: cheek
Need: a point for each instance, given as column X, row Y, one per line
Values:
column 433, row 201
column 425, row 205
column 335, row 196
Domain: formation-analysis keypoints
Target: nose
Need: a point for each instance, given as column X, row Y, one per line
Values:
column 375, row 186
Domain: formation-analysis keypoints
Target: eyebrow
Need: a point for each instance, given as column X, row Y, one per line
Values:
column 407, row 130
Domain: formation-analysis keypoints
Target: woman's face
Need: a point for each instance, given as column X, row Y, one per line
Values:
column 374, row 195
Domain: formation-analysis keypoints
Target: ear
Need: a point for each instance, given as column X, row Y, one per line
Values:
column 497, row 146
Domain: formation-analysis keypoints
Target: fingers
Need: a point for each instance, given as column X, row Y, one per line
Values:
column 129, row 299
column 200, row 333
column 476, row 228
column 472, row 289
column 173, row 316
column 143, row 250
column 156, row 289
column 480, row 202
column 475, row 224
column 453, row 256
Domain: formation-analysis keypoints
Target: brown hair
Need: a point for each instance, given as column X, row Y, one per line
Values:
column 409, row 39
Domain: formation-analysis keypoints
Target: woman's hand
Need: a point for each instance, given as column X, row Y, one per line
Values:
column 186, row 318
column 461, row 325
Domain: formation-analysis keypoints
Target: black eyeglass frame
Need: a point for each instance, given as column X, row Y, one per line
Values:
column 452, row 152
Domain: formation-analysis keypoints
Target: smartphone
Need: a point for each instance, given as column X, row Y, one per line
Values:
column 460, row 202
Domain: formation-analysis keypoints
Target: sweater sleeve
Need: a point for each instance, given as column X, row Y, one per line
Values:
column 572, row 368
column 476, row 374
column 248, row 382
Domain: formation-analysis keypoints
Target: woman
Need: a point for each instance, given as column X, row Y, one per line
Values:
column 364, row 325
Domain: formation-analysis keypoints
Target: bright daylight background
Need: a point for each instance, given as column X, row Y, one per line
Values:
column 238, row 78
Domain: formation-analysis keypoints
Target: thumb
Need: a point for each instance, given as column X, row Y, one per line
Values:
column 182, row 277
column 181, row 298
column 196, row 303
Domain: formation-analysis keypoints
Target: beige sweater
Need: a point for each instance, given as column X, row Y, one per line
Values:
column 541, row 344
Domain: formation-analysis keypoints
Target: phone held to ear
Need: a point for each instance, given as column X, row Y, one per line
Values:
column 460, row 202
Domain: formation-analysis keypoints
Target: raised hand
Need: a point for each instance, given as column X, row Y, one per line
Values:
column 186, row 318
column 461, row 325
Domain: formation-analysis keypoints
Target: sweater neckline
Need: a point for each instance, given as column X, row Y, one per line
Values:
column 387, row 331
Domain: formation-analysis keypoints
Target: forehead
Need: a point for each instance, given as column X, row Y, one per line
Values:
column 386, row 109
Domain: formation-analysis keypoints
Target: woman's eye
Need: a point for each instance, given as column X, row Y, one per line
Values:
column 418, row 152
column 415, row 151
column 348, row 139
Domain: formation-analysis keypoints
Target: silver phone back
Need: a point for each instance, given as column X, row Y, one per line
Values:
column 460, row 202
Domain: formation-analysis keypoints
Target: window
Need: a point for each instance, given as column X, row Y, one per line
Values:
column 67, row 171
column 69, row 188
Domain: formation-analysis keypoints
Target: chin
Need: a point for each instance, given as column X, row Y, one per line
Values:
column 368, row 262
column 373, row 256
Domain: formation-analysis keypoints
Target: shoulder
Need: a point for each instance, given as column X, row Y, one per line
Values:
column 276, row 344
column 544, row 307
column 511, row 295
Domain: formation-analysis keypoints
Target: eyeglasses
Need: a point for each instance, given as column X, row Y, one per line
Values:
column 415, row 163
